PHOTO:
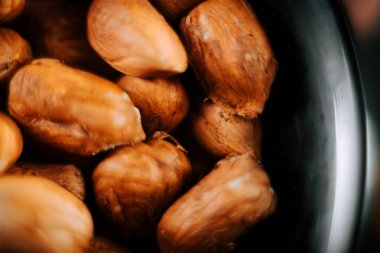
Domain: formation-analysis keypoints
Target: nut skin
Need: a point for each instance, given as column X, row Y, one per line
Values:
column 136, row 184
column 11, row 143
column 10, row 9
column 163, row 102
column 230, row 54
column 221, row 133
column 37, row 215
column 68, row 176
column 235, row 195
column 174, row 10
column 14, row 52
column 134, row 38
column 71, row 109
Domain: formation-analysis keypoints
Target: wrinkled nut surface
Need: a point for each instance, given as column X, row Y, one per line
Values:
column 175, row 9
column 14, row 51
column 136, row 184
column 67, row 176
column 59, row 31
column 134, row 38
column 11, row 142
column 222, row 133
column 37, row 215
column 10, row 9
column 230, row 54
column 220, row 208
column 72, row 109
column 103, row 245
column 163, row 102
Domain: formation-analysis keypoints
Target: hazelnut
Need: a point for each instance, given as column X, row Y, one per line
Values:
column 37, row 215
column 230, row 54
column 163, row 102
column 11, row 142
column 134, row 38
column 14, row 51
column 67, row 176
column 10, row 9
column 209, row 218
column 136, row 184
column 72, row 109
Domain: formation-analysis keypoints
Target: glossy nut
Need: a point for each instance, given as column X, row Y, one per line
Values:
column 10, row 9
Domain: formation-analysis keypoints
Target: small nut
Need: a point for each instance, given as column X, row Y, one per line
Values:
column 11, row 142
column 220, row 208
column 72, row 109
column 230, row 54
column 37, row 215
column 222, row 133
column 67, row 176
column 134, row 38
column 174, row 10
column 136, row 184
column 163, row 102
column 14, row 51
column 10, row 9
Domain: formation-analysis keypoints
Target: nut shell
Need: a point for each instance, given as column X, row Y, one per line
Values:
column 230, row 54
column 220, row 208
column 37, row 215
column 72, row 109
column 14, row 52
column 163, row 102
column 136, row 184
column 221, row 133
column 11, row 142
column 134, row 38
column 67, row 176
column 10, row 9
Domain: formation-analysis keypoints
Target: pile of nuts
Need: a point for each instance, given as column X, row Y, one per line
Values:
column 108, row 81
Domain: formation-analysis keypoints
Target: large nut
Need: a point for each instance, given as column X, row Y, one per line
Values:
column 37, row 215
column 163, row 102
column 134, row 38
column 222, row 133
column 11, row 142
column 10, row 9
column 72, row 109
column 67, row 176
column 14, row 51
column 135, row 185
column 220, row 208
column 230, row 54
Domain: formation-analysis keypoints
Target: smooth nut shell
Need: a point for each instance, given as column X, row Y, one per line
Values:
column 136, row 184
column 220, row 208
column 14, row 51
column 134, row 38
column 37, row 215
column 174, row 10
column 221, row 133
column 163, row 102
column 68, row 176
column 11, row 142
column 72, row 109
column 230, row 54
column 10, row 9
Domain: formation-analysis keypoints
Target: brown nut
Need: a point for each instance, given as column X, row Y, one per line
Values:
column 135, row 185
column 175, row 9
column 103, row 245
column 37, row 215
column 11, row 142
column 14, row 51
column 230, row 54
column 67, row 176
column 163, row 102
column 72, row 109
column 222, row 133
column 134, row 38
column 10, row 9
column 59, row 31
column 220, row 208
